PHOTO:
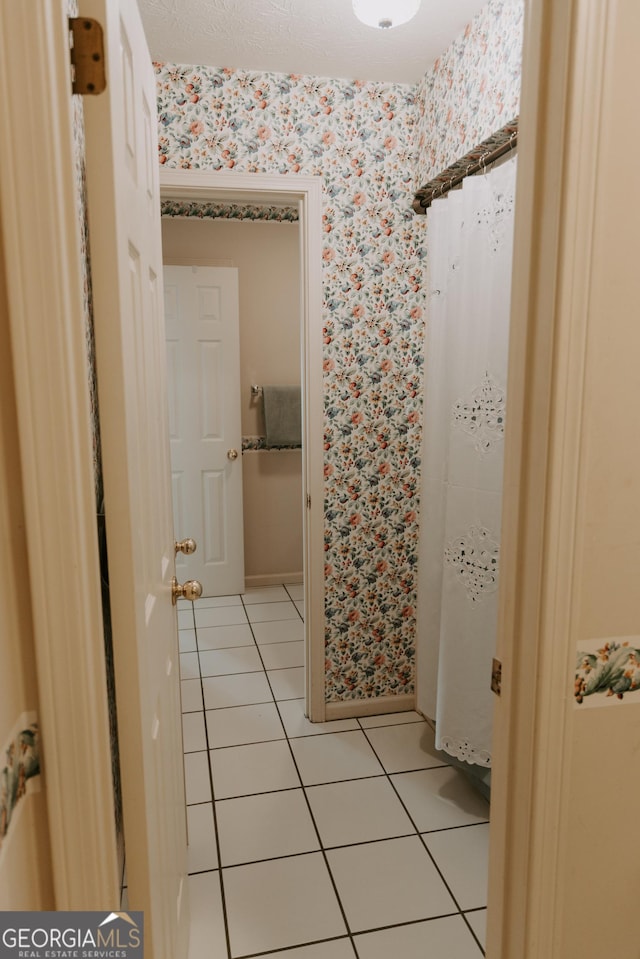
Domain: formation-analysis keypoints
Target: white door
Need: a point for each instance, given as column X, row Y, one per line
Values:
column 126, row 263
column 203, row 363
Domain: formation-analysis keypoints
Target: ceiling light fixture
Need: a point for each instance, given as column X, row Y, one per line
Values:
column 385, row 13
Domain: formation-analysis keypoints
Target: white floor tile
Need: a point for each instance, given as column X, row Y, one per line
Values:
column 189, row 667
column 390, row 719
column 271, row 825
column 265, row 594
column 261, row 767
column 448, row 938
column 207, row 938
column 463, row 858
column 193, row 734
column 337, row 756
column 208, row 602
column 191, row 694
column 300, row 607
column 278, row 631
column 220, row 616
column 296, row 723
column 240, row 725
column 244, row 689
column 334, row 949
column 280, row 903
column 359, row 810
column 287, row 683
column 225, row 662
column 384, row 883
column 202, row 854
column 295, row 590
column 267, row 612
column 196, row 778
column 406, row 747
column 222, row 637
column 185, row 616
column 440, row 798
column 187, row 640
column 282, row 655
column 478, row 922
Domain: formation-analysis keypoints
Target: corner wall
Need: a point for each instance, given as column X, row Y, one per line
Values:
column 370, row 143
column 359, row 138
column 472, row 90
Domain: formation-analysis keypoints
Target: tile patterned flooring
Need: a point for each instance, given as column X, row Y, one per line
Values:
column 343, row 840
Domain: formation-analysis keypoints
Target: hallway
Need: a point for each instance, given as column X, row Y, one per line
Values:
column 331, row 841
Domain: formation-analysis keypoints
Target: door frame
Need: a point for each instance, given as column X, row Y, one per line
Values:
column 39, row 219
column 44, row 283
column 564, row 65
column 306, row 193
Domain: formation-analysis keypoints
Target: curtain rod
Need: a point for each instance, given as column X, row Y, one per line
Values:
column 497, row 145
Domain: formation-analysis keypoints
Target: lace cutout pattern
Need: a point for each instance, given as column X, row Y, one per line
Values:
column 462, row 749
column 496, row 221
column 474, row 558
column 482, row 414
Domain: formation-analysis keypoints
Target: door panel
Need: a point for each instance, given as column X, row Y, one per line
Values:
column 203, row 349
column 126, row 262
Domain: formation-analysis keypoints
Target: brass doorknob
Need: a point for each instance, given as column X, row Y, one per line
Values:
column 186, row 546
column 191, row 590
column 232, row 454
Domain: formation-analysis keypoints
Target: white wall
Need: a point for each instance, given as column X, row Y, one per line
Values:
column 266, row 254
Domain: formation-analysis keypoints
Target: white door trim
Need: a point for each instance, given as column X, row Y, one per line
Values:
column 563, row 80
column 307, row 193
column 44, row 284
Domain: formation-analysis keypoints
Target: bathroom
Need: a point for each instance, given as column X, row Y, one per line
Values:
column 361, row 138
column 573, row 405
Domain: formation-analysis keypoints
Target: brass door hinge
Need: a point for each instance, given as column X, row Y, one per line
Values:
column 496, row 677
column 87, row 56
column 308, row 501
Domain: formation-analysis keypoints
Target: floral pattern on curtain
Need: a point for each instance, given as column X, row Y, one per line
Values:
column 469, row 242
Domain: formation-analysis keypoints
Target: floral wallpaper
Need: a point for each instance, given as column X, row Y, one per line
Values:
column 20, row 769
column 608, row 672
column 472, row 90
column 359, row 137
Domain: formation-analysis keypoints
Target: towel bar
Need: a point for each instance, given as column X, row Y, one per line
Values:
column 256, row 390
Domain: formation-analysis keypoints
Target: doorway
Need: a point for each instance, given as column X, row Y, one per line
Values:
column 240, row 348
column 201, row 186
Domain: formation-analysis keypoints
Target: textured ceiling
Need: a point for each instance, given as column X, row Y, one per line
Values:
column 316, row 37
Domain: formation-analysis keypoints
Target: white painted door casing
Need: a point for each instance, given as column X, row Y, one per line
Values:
column 203, row 374
column 39, row 221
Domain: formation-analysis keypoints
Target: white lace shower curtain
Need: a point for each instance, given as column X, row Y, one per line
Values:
column 469, row 242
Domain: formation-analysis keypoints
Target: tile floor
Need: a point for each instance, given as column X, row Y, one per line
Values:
column 334, row 841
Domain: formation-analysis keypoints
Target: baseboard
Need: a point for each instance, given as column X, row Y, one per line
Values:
column 272, row 579
column 354, row 708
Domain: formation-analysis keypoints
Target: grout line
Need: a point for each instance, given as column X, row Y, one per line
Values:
column 213, row 809
column 350, row 935
column 315, row 826
column 473, row 932
column 420, row 837
column 303, row 945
